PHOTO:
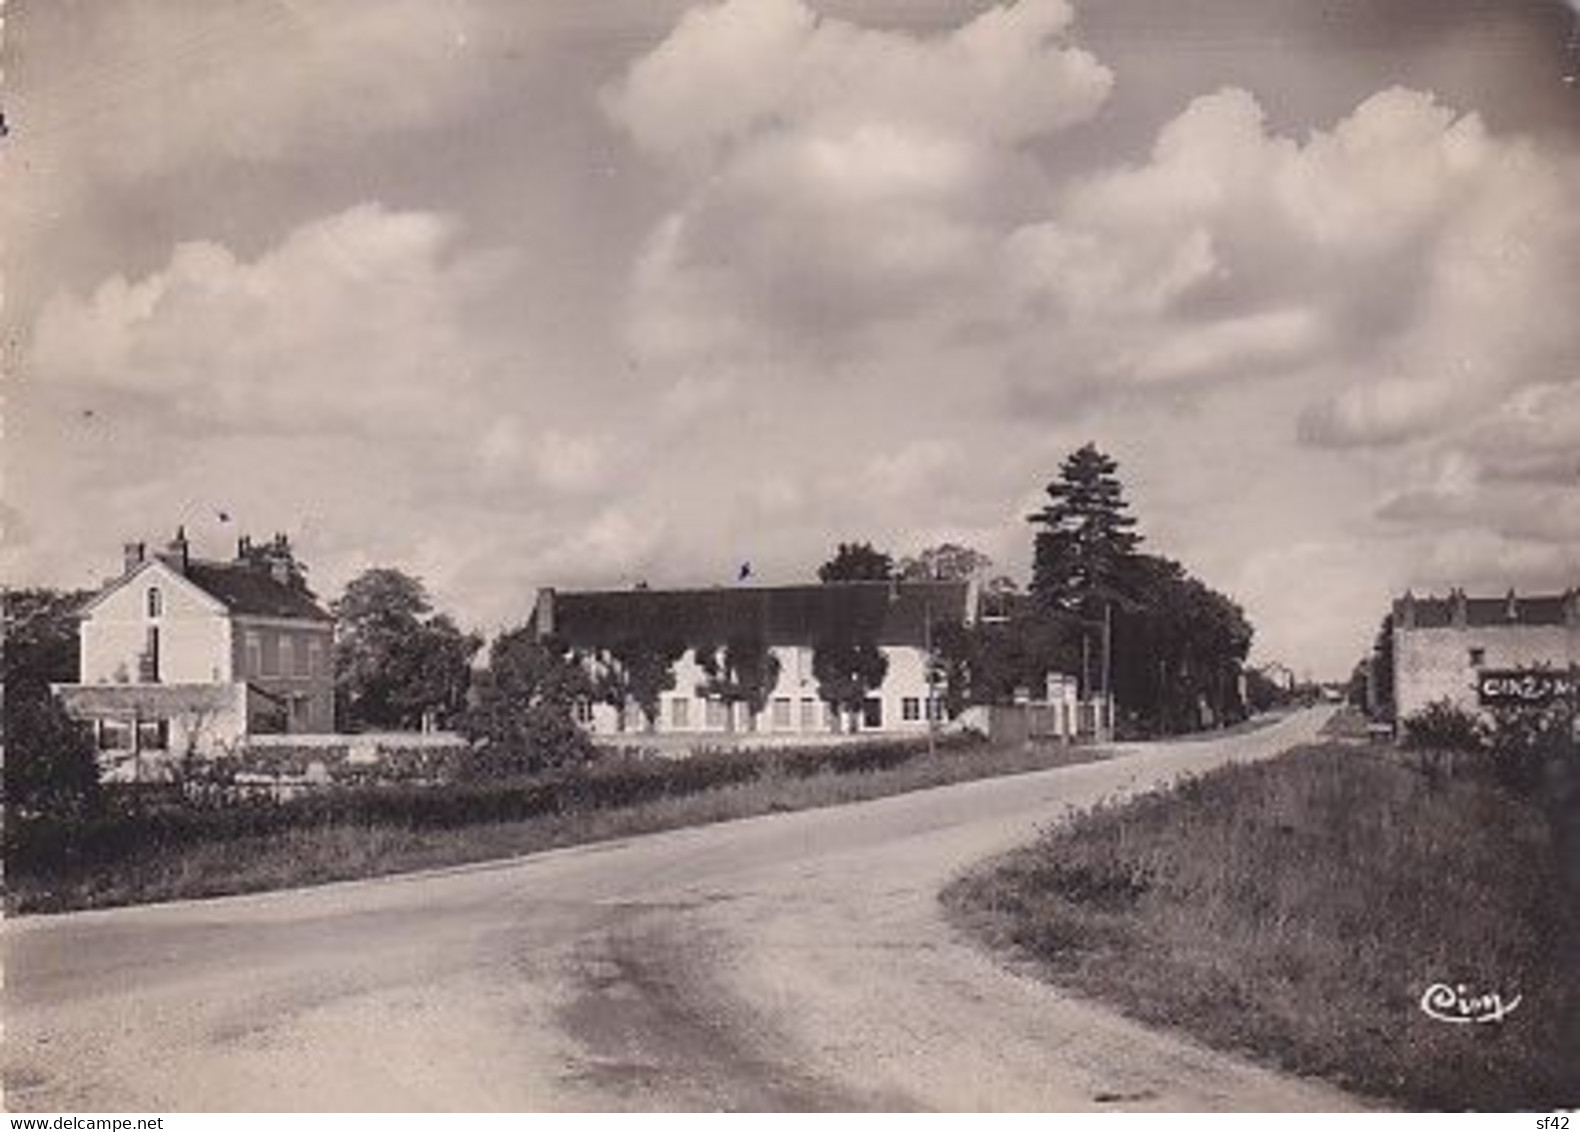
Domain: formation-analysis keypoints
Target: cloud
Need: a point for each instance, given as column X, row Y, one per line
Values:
column 149, row 90
column 848, row 177
column 352, row 321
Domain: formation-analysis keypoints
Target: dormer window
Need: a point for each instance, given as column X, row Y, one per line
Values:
column 1478, row 657
column 156, row 602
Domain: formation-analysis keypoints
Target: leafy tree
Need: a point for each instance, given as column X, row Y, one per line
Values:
column 636, row 671
column 41, row 641
column 1085, row 536
column 395, row 659
column 1178, row 648
column 847, row 672
column 744, row 671
column 522, row 721
column 856, row 562
column 1382, row 675
column 946, row 562
column 51, row 768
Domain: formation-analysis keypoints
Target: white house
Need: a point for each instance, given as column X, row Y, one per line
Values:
column 899, row 617
column 186, row 656
column 1482, row 652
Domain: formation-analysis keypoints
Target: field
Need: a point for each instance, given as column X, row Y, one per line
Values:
column 145, row 855
column 1298, row 910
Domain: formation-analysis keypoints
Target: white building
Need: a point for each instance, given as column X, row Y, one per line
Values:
column 185, row 656
column 899, row 617
column 1480, row 652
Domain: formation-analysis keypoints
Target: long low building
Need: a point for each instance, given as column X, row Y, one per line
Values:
column 1483, row 652
column 901, row 618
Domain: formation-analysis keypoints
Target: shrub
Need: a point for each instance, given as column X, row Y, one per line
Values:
column 51, row 768
column 1444, row 726
column 1525, row 742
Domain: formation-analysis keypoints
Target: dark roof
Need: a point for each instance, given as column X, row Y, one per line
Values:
column 882, row 612
column 1482, row 612
column 251, row 591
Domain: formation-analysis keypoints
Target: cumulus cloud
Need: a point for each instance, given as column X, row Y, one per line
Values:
column 352, row 321
column 834, row 176
column 1405, row 269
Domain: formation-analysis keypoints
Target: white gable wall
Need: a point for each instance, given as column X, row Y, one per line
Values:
column 194, row 632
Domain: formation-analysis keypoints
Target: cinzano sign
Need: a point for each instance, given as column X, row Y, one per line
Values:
column 1523, row 687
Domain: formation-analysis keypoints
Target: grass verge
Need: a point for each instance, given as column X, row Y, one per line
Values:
column 1299, row 909
column 320, row 850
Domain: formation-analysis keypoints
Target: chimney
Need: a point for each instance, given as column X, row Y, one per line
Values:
column 134, row 553
column 177, row 552
column 244, row 548
column 543, row 615
column 1404, row 611
column 278, row 556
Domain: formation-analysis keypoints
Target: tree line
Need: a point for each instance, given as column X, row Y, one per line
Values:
column 1166, row 646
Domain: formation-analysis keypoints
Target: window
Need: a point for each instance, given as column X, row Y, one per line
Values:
column 154, row 735
column 1478, row 657
column 715, row 715
column 872, row 713
column 254, row 658
column 584, row 711
column 150, row 658
column 315, row 658
column 911, row 709
column 680, row 712
column 271, row 656
column 831, row 717
column 156, row 602
column 935, row 709
column 808, row 713
column 114, row 736
column 781, row 714
column 287, row 657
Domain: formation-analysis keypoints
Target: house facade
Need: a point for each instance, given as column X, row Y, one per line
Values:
column 900, row 618
column 1482, row 652
column 181, row 655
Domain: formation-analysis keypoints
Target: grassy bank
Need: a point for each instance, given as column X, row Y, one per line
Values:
column 1298, row 910
column 345, row 835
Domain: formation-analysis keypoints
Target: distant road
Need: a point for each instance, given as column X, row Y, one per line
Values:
column 797, row 961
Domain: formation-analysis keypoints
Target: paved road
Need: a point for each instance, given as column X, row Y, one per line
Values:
column 790, row 962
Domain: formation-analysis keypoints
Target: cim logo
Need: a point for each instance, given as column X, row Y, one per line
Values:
column 1523, row 687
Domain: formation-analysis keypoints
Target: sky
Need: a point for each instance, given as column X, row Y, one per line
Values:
column 591, row 292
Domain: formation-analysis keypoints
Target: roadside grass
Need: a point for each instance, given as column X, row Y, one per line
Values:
column 1297, row 910
column 322, row 851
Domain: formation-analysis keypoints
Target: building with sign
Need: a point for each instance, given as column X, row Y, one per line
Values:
column 1484, row 652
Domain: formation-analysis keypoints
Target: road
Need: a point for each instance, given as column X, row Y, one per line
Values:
column 797, row 961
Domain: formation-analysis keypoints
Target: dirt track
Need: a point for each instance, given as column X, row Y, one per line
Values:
column 790, row 962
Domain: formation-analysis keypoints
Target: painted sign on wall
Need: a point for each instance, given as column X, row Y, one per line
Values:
column 1523, row 687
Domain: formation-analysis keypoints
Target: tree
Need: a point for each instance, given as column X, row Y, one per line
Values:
column 51, row 768
column 946, row 562
column 744, row 671
column 856, row 562
column 41, row 641
column 636, row 671
column 522, row 721
column 847, row 672
column 1086, row 537
column 395, row 660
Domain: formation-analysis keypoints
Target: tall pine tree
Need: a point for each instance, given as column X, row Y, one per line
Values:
column 1086, row 538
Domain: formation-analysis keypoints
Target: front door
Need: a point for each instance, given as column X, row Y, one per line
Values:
column 872, row 714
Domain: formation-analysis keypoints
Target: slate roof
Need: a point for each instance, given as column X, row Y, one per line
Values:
column 1483, row 612
column 250, row 591
column 882, row 612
